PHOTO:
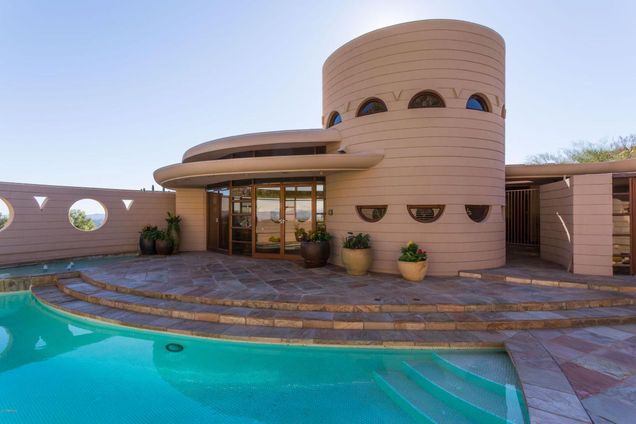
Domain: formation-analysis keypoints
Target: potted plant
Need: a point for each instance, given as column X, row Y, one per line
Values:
column 174, row 231
column 163, row 244
column 413, row 262
column 300, row 234
column 314, row 248
column 356, row 253
column 147, row 238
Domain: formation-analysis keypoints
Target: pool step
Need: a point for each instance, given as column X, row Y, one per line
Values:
column 465, row 395
column 52, row 296
column 491, row 370
column 403, row 321
column 418, row 403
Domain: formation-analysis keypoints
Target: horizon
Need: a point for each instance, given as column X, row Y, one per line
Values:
column 103, row 96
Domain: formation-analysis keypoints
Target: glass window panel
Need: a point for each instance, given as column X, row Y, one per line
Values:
column 372, row 213
column 476, row 103
column 425, row 213
column 477, row 212
column 372, row 106
column 426, row 99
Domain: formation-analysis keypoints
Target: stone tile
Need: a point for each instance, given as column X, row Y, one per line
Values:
column 555, row 402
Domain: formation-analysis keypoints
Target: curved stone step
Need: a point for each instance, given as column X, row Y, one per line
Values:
column 342, row 321
column 51, row 295
column 464, row 395
column 420, row 404
column 415, row 305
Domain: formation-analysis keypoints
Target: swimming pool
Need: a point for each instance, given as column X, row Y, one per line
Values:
column 61, row 265
column 55, row 368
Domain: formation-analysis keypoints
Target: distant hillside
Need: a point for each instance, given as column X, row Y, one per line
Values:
column 97, row 218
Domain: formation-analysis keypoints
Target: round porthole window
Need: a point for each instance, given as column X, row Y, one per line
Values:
column 6, row 214
column 87, row 215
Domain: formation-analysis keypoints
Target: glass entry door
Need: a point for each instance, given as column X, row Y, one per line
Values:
column 281, row 210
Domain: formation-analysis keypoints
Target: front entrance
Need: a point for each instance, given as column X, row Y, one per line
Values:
column 281, row 210
column 218, row 220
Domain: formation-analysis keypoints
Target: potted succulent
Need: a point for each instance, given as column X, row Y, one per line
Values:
column 413, row 262
column 314, row 248
column 147, row 238
column 174, row 231
column 163, row 243
column 356, row 253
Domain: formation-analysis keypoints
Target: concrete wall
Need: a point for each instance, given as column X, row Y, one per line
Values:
column 450, row 156
column 593, row 224
column 556, row 222
column 576, row 223
column 192, row 206
column 36, row 234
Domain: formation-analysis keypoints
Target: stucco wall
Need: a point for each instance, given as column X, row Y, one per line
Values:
column 451, row 156
column 192, row 206
column 592, row 223
column 46, row 234
column 556, row 222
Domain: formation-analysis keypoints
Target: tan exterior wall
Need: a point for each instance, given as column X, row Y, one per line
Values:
column 592, row 223
column 35, row 235
column 450, row 156
column 556, row 222
column 192, row 206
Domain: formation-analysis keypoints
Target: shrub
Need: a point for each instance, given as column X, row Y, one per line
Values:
column 412, row 253
column 358, row 241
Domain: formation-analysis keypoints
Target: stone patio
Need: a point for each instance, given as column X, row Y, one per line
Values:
column 569, row 373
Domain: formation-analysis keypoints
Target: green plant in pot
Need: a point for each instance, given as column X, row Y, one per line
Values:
column 357, row 255
column 147, row 238
column 163, row 243
column 174, row 231
column 315, row 249
column 413, row 262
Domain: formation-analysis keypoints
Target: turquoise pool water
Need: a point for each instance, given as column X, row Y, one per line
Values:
column 58, row 369
column 61, row 265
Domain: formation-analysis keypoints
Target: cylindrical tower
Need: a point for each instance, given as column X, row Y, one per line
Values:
column 448, row 158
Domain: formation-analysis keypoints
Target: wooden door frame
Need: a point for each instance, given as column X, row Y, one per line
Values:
column 282, row 200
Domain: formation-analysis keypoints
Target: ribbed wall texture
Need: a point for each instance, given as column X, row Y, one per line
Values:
column 44, row 234
column 593, row 225
column 451, row 156
column 192, row 206
column 556, row 228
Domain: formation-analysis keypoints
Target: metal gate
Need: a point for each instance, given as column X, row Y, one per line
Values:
column 522, row 217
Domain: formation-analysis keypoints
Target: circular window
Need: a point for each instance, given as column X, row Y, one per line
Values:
column 87, row 215
column 476, row 102
column 371, row 106
column 477, row 212
column 372, row 213
column 334, row 119
column 6, row 214
column 425, row 213
column 426, row 99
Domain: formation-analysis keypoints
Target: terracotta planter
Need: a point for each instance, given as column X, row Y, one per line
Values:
column 357, row 261
column 175, row 235
column 147, row 246
column 413, row 271
column 315, row 253
column 163, row 247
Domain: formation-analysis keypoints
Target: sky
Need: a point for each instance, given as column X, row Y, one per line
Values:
column 101, row 93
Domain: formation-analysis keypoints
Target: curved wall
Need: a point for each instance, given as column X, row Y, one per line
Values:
column 451, row 156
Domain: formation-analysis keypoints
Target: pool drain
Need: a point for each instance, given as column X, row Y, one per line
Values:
column 174, row 347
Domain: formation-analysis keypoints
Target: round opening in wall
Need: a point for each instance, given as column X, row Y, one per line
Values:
column 87, row 215
column 6, row 214
column 174, row 347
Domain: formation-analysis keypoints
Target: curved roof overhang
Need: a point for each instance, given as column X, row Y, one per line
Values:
column 202, row 173
column 215, row 149
column 560, row 170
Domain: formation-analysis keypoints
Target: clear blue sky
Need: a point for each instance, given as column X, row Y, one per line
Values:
column 100, row 93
